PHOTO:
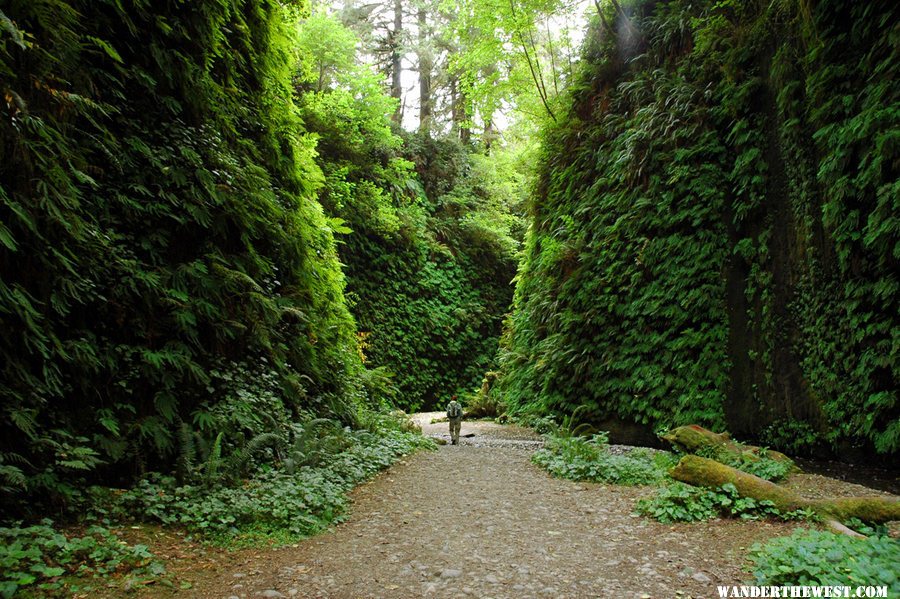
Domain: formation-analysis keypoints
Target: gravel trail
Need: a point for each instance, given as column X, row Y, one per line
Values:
column 479, row 520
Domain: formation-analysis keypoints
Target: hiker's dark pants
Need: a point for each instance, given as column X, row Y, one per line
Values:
column 455, row 424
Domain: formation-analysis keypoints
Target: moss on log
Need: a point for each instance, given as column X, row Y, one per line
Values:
column 704, row 472
column 867, row 509
column 694, row 438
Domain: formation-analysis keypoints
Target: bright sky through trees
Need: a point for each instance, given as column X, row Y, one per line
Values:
column 499, row 55
column 571, row 21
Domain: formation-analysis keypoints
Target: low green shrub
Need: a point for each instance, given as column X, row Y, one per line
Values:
column 819, row 558
column 541, row 424
column 867, row 528
column 41, row 557
column 288, row 503
column 589, row 459
column 793, row 437
column 679, row 502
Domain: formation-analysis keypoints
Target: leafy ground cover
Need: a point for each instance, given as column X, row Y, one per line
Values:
column 820, row 558
column 590, row 459
column 43, row 558
column 292, row 491
column 679, row 502
column 760, row 465
column 280, row 505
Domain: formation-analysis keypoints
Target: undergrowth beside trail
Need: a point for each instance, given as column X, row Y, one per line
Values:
column 679, row 502
column 42, row 558
column 760, row 465
column 275, row 505
column 292, row 491
column 820, row 558
column 567, row 454
column 589, row 459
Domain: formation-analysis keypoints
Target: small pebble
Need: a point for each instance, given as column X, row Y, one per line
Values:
column 701, row 577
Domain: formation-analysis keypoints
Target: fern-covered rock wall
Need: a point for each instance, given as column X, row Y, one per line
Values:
column 715, row 238
column 429, row 270
column 161, row 246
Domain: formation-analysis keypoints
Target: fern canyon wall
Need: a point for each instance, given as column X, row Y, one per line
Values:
column 715, row 234
column 211, row 230
column 165, row 263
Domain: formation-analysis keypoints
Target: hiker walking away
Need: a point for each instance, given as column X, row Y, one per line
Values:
column 454, row 415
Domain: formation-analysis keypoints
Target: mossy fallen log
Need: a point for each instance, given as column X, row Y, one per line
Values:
column 867, row 509
column 696, row 439
column 704, row 472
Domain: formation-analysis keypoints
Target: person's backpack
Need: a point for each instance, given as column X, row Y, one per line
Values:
column 454, row 410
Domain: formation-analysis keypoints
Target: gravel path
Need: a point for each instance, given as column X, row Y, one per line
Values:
column 479, row 520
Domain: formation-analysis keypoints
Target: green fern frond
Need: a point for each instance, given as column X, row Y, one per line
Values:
column 239, row 460
column 213, row 462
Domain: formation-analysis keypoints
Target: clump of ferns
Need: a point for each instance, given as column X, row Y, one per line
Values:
column 203, row 462
column 314, row 442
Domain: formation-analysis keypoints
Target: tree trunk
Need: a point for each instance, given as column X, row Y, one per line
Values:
column 425, row 67
column 489, row 135
column 396, row 59
column 458, row 111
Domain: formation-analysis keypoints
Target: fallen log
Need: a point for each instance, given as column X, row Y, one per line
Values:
column 696, row 439
column 704, row 472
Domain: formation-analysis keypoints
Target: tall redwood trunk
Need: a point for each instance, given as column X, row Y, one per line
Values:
column 396, row 59
column 426, row 65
